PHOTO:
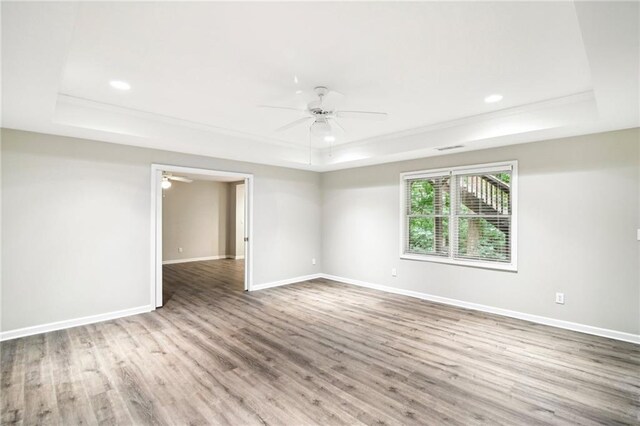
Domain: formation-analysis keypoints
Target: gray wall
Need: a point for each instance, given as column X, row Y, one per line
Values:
column 194, row 218
column 76, row 225
column 578, row 215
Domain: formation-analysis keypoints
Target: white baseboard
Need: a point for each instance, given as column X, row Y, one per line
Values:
column 196, row 259
column 59, row 325
column 237, row 257
column 285, row 282
column 612, row 334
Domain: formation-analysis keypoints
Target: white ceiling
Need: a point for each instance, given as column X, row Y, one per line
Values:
column 198, row 72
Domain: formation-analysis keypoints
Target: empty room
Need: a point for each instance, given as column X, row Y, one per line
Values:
column 320, row 213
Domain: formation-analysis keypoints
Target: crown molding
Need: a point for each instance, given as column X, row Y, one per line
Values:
column 204, row 139
column 65, row 99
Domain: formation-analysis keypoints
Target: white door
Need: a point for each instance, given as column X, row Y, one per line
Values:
column 240, row 229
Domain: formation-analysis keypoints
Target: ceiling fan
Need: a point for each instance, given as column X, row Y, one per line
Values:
column 168, row 177
column 322, row 115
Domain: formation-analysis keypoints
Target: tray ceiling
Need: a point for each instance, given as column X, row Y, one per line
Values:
column 198, row 72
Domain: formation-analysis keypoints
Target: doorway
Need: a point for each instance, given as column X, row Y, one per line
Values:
column 202, row 187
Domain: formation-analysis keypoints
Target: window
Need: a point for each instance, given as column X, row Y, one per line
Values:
column 462, row 215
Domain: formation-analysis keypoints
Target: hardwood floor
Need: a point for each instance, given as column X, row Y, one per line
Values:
column 317, row 352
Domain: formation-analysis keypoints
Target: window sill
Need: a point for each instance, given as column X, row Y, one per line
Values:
column 511, row 267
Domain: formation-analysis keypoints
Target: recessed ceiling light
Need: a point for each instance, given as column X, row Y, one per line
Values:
column 329, row 138
column 298, row 92
column 493, row 98
column 120, row 85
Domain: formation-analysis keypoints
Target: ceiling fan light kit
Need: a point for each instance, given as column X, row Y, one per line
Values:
column 320, row 128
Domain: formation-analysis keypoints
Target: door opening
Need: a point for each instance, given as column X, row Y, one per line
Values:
column 208, row 217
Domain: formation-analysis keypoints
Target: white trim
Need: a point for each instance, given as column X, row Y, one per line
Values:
column 514, row 214
column 421, row 175
column 498, row 266
column 482, row 168
column 237, row 258
column 567, row 325
column 293, row 280
column 403, row 214
column 60, row 325
column 248, row 232
column 156, row 235
column 459, row 169
column 156, row 222
column 426, row 132
column 170, row 120
column 196, row 259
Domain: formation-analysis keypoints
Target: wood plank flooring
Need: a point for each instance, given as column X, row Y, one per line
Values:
column 317, row 352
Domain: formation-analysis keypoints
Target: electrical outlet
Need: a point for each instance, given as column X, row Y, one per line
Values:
column 179, row 249
column 560, row 298
column 313, row 261
column 394, row 272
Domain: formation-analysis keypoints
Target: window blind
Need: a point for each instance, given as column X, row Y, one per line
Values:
column 428, row 211
column 482, row 216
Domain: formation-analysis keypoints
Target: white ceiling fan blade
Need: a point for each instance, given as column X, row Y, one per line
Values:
column 366, row 115
column 293, row 124
column 180, row 179
column 280, row 107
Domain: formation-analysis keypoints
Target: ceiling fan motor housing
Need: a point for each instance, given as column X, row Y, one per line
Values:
column 315, row 107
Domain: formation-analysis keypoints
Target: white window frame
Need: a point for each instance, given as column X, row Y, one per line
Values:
column 453, row 171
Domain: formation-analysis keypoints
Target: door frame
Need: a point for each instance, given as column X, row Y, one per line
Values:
column 156, row 223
